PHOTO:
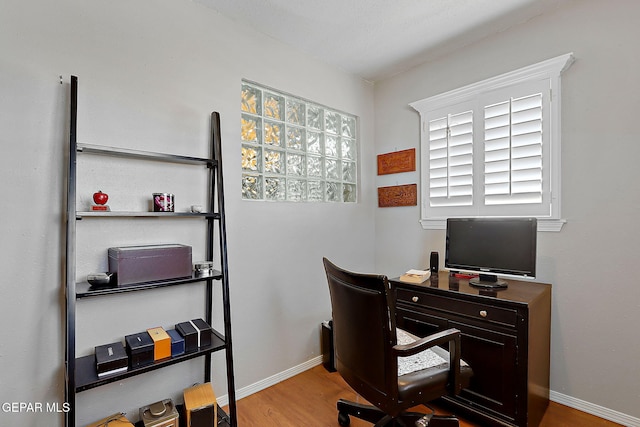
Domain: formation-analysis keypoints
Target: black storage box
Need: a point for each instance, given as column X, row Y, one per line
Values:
column 140, row 349
column 204, row 332
column 139, row 264
column 190, row 335
column 111, row 359
column 177, row 342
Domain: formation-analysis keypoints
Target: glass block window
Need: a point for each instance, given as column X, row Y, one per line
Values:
column 294, row 149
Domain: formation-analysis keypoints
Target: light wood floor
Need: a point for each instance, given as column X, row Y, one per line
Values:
column 309, row 400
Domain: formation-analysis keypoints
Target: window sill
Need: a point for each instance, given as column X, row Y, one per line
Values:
column 553, row 225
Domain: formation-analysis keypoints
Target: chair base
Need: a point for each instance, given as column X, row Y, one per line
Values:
column 380, row 419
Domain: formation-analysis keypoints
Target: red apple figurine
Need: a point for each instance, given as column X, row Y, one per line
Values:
column 100, row 198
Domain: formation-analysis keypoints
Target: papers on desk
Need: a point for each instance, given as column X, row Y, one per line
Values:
column 415, row 276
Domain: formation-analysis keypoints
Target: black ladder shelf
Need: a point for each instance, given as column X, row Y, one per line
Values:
column 80, row 373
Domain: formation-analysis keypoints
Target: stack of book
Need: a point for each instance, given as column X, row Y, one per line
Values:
column 415, row 276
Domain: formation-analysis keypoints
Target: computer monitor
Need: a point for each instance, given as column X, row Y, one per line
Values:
column 492, row 247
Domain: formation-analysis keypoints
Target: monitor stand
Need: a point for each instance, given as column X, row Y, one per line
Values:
column 488, row 281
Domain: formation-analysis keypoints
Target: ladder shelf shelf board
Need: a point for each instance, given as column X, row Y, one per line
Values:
column 86, row 290
column 143, row 155
column 87, row 378
column 133, row 214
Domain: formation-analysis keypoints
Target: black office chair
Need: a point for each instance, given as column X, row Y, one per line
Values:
column 368, row 355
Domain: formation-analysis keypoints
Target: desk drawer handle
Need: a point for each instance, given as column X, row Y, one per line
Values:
column 483, row 313
column 414, row 299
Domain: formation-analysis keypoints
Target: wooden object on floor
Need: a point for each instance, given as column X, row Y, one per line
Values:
column 309, row 399
column 115, row 420
column 200, row 405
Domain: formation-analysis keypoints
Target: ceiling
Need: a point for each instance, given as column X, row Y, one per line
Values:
column 375, row 39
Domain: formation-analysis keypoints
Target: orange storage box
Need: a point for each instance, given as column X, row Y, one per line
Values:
column 161, row 343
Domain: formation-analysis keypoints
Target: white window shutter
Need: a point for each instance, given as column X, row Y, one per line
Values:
column 451, row 160
column 513, row 151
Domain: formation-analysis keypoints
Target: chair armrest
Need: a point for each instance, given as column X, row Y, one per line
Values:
column 427, row 342
column 451, row 336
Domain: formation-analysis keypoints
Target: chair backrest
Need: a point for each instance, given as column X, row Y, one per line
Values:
column 364, row 333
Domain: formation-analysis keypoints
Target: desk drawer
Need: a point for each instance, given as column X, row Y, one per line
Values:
column 474, row 310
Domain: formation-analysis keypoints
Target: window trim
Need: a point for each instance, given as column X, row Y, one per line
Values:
column 550, row 70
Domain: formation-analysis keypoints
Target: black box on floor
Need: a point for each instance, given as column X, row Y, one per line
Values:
column 204, row 332
column 327, row 346
column 140, row 349
column 190, row 335
column 111, row 359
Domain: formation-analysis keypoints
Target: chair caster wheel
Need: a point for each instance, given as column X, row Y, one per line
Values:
column 343, row 419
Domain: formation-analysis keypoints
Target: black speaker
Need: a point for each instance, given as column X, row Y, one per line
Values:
column 433, row 265
column 327, row 346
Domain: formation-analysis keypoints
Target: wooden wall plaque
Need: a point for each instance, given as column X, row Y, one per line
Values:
column 398, row 195
column 396, row 162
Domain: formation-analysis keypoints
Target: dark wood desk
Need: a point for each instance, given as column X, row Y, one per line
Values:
column 505, row 339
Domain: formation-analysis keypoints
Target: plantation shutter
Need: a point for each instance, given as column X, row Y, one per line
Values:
column 451, row 160
column 513, row 160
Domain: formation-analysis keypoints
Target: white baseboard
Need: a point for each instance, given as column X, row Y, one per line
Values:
column 272, row 380
column 572, row 402
column 593, row 409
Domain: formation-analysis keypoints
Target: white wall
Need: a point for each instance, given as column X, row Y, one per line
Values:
column 150, row 73
column 592, row 262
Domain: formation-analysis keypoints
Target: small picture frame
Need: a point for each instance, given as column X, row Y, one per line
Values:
column 397, row 162
column 398, row 195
